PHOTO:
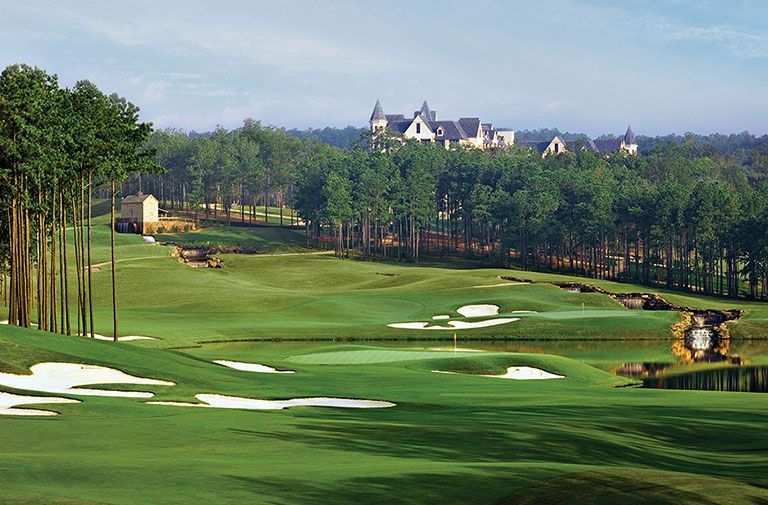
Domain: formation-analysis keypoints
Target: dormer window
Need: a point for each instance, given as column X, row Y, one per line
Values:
column 440, row 132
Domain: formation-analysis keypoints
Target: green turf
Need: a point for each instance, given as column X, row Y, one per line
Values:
column 263, row 239
column 294, row 293
column 452, row 438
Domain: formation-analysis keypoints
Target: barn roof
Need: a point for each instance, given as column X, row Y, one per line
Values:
column 137, row 198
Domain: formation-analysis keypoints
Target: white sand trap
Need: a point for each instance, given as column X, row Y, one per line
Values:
column 478, row 310
column 236, row 402
column 455, row 325
column 468, row 325
column 128, row 338
column 441, row 316
column 524, row 373
column 520, row 373
column 250, row 367
column 7, row 322
column 8, row 401
column 64, row 377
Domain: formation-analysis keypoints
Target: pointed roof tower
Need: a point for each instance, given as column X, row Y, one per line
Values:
column 629, row 137
column 378, row 112
column 425, row 111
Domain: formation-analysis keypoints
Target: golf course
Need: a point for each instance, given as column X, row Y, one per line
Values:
column 283, row 377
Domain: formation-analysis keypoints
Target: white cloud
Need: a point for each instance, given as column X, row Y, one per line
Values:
column 155, row 91
column 741, row 44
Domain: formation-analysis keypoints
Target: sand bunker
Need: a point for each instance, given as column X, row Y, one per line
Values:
column 64, row 377
column 478, row 310
column 520, row 373
column 455, row 325
column 127, row 338
column 236, row 402
column 441, row 316
column 7, row 322
column 250, row 367
column 8, row 401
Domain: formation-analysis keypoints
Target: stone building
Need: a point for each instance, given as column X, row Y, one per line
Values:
column 140, row 208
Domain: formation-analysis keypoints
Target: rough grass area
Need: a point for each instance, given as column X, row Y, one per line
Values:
column 452, row 439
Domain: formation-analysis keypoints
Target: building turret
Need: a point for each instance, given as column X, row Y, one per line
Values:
column 378, row 119
column 629, row 137
column 630, row 145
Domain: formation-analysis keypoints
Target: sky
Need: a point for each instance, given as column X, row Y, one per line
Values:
column 579, row 65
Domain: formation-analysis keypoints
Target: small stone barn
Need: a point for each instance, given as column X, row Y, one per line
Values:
column 138, row 211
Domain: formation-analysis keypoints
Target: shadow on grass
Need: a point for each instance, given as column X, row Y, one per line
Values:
column 509, row 487
column 696, row 441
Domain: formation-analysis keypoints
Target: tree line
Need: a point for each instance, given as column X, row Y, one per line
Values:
column 57, row 145
column 682, row 216
column 224, row 173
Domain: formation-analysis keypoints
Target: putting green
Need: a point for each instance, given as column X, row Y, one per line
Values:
column 368, row 356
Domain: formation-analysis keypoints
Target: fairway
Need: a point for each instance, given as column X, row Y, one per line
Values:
column 298, row 293
column 227, row 339
column 505, row 441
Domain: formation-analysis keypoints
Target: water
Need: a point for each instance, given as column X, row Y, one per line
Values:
column 752, row 379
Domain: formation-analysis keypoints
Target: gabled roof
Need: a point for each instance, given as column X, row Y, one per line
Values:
column 452, row 130
column 470, row 125
column 399, row 126
column 137, row 198
column 395, row 117
column 582, row 144
column 378, row 112
column 609, row 145
column 540, row 147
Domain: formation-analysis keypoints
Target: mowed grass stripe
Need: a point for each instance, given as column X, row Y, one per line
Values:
column 366, row 357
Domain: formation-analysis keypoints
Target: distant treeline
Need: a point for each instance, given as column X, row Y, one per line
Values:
column 737, row 144
column 343, row 138
column 681, row 216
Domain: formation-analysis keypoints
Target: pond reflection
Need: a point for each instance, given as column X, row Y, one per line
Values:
column 744, row 378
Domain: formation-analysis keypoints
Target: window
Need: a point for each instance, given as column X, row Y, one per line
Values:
column 440, row 131
column 418, row 127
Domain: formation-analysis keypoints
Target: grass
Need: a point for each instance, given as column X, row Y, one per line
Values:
column 451, row 438
column 311, row 296
column 265, row 239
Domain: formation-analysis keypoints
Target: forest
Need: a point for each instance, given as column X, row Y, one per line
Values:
column 688, row 215
column 683, row 216
column 57, row 146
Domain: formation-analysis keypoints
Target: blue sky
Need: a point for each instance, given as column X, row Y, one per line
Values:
column 579, row 65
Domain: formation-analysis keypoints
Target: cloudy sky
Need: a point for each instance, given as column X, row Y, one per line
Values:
column 579, row 65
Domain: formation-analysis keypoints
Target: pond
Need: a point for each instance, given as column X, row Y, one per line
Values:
column 665, row 363
column 733, row 378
